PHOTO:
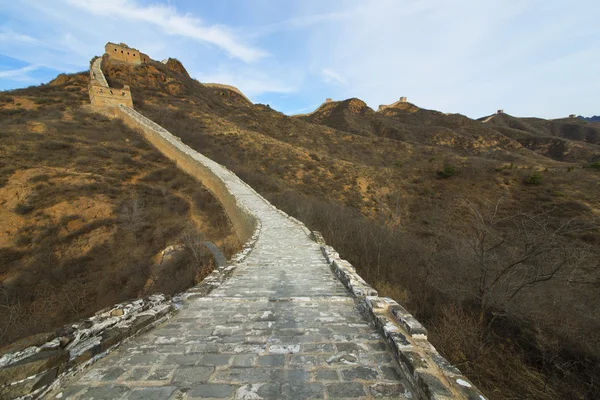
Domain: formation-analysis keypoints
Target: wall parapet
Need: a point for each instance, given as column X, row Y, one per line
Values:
column 96, row 74
column 211, row 174
column 430, row 373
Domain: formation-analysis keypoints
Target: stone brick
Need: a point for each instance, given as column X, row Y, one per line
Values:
column 188, row 376
column 345, row 390
column 212, row 390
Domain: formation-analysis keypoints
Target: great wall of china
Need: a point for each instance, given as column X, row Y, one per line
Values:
column 285, row 318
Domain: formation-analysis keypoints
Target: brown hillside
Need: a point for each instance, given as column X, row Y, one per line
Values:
column 86, row 207
column 567, row 139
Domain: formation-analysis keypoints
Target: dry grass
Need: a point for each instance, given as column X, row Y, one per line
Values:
column 88, row 205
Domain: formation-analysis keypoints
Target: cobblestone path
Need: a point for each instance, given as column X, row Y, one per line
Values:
column 281, row 327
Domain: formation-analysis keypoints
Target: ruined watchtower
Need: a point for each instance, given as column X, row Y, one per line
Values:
column 106, row 97
column 124, row 53
column 403, row 99
column 328, row 100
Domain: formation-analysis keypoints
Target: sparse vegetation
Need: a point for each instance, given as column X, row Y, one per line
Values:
column 88, row 205
column 448, row 171
column 534, row 179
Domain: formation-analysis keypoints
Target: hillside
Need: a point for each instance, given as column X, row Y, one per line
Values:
column 86, row 208
column 569, row 139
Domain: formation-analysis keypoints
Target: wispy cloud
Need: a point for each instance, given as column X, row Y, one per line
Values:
column 173, row 23
column 19, row 74
column 8, row 35
column 302, row 22
column 330, row 76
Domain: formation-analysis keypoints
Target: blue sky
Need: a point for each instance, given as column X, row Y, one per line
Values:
column 529, row 57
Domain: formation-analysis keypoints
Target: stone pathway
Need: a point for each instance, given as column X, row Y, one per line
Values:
column 281, row 327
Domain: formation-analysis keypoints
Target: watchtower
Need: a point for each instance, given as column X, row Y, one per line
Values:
column 500, row 112
column 124, row 53
column 328, row 100
column 403, row 99
column 106, row 97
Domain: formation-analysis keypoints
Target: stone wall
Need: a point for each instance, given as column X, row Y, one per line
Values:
column 124, row 53
column 188, row 160
column 430, row 373
column 229, row 87
column 402, row 100
column 103, row 97
column 96, row 74
column 327, row 101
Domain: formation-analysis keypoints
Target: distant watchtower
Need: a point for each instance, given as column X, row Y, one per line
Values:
column 124, row 53
column 500, row 112
column 328, row 100
column 403, row 99
column 572, row 115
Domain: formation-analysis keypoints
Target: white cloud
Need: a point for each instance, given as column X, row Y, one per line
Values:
column 330, row 76
column 173, row 23
column 20, row 74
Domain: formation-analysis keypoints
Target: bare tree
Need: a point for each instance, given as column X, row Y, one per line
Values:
column 193, row 241
column 75, row 297
column 11, row 313
column 511, row 253
column 132, row 213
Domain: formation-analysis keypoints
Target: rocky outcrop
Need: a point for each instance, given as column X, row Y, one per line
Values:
column 176, row 66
